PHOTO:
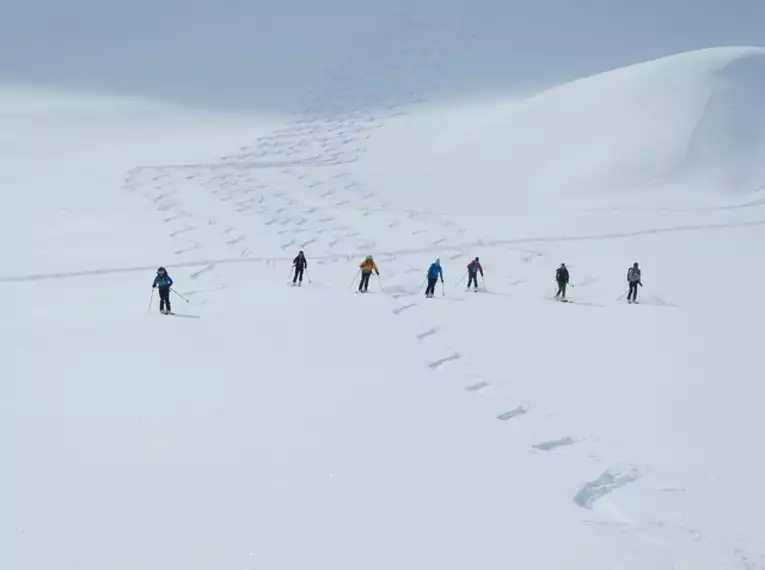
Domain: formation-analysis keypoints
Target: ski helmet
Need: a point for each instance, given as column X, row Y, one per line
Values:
column 161, row 270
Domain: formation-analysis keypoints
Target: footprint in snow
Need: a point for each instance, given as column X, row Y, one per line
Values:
column 426, row 334
column 441, row 361
column 519, row 411
column 187, row 250
column 554, row 444
column 206, row 268
column 397, row 311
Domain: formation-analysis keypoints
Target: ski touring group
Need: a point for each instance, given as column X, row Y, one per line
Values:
column 435, row 273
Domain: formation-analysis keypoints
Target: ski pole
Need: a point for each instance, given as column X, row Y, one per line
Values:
column 181, row 296
column 461, row 279
column 443, row 290
column 423, row 283
column 308, row 277
column 354, row 279
column 380, row 280
column 151, row 300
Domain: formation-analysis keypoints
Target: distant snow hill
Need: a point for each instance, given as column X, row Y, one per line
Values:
column 691, row 124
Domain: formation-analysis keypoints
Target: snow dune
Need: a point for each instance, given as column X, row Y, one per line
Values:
column 274, row 427
column 683, row 128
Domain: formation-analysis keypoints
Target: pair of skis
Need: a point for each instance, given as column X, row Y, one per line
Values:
column 180, row 315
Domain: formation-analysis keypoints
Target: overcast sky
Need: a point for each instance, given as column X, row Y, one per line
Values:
column 270, row 54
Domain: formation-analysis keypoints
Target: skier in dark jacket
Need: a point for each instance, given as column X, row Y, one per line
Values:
column 474, row 267
column 301, row 264
column 163, row 282
column 561, row 277
column 434, row 272
column 634, row 278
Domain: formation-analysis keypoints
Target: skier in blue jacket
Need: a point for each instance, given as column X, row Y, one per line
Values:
column 434, row 273
column 163, row 282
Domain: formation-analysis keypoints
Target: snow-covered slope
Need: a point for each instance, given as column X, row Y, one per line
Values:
column 267, row 426
column 691, row 125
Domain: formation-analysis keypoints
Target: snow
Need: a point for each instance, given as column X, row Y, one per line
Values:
column 281, row 427
column 681, row 127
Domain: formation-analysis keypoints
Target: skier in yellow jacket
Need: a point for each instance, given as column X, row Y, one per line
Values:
column 367, row 267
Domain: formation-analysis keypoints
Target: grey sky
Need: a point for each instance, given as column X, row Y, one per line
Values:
column 268, row 54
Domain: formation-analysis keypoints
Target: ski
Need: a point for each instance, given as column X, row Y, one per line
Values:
column 179, row 315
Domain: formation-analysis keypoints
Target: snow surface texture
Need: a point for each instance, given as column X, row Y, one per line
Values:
column 287, row 428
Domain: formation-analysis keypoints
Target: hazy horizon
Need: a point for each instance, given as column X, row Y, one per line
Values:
column 274, row 55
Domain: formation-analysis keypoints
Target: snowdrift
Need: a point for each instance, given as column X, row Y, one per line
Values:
column 688, row 126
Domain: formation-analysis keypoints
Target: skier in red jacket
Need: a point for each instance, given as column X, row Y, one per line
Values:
column 474, row 267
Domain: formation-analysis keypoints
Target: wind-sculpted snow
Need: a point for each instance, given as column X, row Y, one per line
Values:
column 273, row 426
column 682, row 128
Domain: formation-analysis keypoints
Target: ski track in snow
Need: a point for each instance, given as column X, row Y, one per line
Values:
column 588, row 494
column 297, row 218
column 227, row 181
column 314, row 159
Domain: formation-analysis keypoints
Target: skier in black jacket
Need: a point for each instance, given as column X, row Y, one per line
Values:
column 301, row 264
column 634, row 278
column 561, row 277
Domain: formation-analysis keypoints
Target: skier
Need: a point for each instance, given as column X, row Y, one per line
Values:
column 367, row 267
column 301, row 264
column 473, row 268
column 163, row 282
column 634, row 279
column 434, row 272
column 561, row 276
